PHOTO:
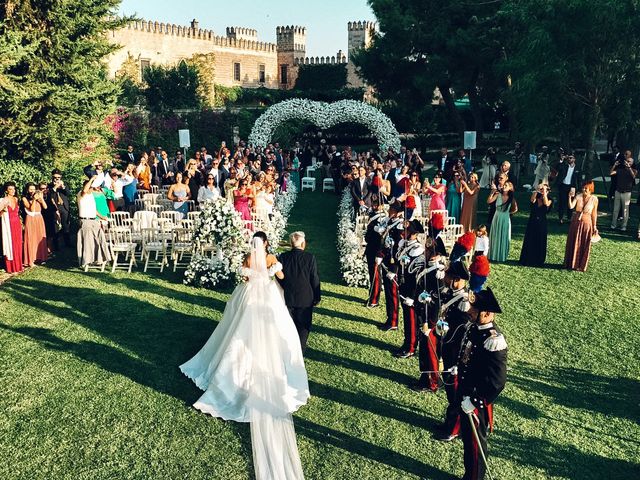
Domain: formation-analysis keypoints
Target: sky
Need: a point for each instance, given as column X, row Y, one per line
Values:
column 326, row 20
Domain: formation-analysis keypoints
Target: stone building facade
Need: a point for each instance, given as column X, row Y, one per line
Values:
column 240, row 58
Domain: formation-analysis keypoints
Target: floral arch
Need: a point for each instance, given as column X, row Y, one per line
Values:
column 326, row 115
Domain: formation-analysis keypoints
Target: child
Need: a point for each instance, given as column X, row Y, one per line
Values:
column 479, row 269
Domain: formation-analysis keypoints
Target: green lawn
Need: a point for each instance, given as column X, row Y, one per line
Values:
column 90, row 386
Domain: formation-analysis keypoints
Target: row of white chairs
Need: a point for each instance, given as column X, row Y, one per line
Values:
column 309, row 183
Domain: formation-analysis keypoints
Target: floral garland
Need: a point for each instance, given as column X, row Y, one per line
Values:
column 326, row 115
column 352, row 262
column 220, row 225
column 275, row 228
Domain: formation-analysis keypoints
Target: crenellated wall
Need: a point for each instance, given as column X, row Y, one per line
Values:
column 157, row 43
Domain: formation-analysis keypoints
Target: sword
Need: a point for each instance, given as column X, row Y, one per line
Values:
column 477, row 438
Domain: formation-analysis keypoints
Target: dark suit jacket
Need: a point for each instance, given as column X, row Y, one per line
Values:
column 575, row 179
column 162, row 171
column 221, row 177
column 358, row 194
column 301, row 283
column 124, row 156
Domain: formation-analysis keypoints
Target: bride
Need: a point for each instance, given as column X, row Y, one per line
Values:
column 251, row 368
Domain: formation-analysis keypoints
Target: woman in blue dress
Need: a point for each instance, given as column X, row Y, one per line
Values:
column 454, row 197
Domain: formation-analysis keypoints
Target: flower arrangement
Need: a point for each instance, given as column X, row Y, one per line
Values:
column 221, row 225
column 352, row 262
column 326, row 115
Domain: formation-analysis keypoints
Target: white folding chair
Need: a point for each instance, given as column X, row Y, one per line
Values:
column 151, row 198
column 195, row 217
column 310, row 170
column 158, row 209
column 120, row 241
column 444, row 213
column 145, row 218
column 154, row 189
column 327, row 184
column 450, row 221
column 117, row 219
column 172, row 215
column 139, row 204
column 181, row 245
column 187, row 223
column 308, row 182
column 153, row 244
column 165, row 203
column 140, row 193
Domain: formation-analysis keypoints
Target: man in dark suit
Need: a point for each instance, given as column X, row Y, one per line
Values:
column 166, row 170
column 568, row 177
column 129, row 156
column 219, row 173
column 58, row 202
column 360, row 190
column 301, row 285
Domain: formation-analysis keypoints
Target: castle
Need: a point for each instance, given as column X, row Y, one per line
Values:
column 240, row 58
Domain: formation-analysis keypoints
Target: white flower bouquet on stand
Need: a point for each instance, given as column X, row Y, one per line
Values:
column 220, row 225
column 353, row 264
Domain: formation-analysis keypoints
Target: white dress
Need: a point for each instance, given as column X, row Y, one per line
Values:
column 252, row 370
column 488, row 172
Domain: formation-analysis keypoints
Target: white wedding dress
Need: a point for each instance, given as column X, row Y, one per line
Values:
column 251, row 370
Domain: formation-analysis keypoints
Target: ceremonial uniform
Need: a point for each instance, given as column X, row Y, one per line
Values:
column 390, row 240
column 411, row 259
column 373, row 237
column 457, row 319
column 482, row 373
column 428, row 301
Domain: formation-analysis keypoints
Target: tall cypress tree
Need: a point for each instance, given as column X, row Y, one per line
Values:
column 54, row 90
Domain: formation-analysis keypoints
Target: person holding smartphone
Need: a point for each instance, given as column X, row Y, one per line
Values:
column 534, row 246
column 625, row 176
column 35, row 236
column 567, row 183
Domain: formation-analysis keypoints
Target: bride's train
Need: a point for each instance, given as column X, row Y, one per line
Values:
column 251, row 370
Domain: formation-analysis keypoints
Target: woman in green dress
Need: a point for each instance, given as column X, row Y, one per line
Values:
column 295, row 171
column 500, row 233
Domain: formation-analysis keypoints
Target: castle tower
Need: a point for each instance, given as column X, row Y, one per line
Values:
column 291, row 45
column 360, row 35
column 242, row 33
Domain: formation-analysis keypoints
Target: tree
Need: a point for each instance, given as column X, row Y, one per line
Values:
column 427, row 44
column 571, row 62
column 54, row 90
column 172, row 88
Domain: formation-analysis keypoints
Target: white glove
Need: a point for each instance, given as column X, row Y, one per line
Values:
column 391, row 276
column 467, row 406
column 378, row 260
column 454, row 370
column 408, row 302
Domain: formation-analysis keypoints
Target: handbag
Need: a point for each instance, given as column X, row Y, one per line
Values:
column 596, row 238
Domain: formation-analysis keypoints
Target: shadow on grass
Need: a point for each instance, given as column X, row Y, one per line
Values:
column 355, row 365
column 559, row 460
column 348, row 443
column 344, row 316
column 342, row 296
column 160, row 339
column 581, row 389
column 354, row 337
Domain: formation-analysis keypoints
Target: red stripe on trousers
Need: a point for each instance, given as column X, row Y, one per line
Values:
column 490, row 415
column 394, row 300
column 375, row 293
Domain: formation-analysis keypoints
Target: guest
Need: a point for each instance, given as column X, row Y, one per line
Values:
column 166, row 169
column 401, row 180
column 210, row 191
column 489, row 163
column 500, row 180
column 436, row 192
column 220, row 174
column 543, row 169
column 129, row 187
column 58, row 206
column 179, row 193
column 156, row 172
column 360, row 195
column 534, row 246
column 192, row 176
column 500, row 233
column 469, row 202
column 242, row 199
column 625, row 176
column 380, row 188
column 582, row 228
column 294, row 170
column 454, row 189
column 413, row 204
column 567, row 181
column 480, row 268
column 230, row 185
column 49, row 215
column 11, row 229
column 35, row 236
column 92, row 244
column 143, row 173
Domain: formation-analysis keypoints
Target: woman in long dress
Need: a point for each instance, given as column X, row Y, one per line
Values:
column 11, row 229
column 534, row 246
column 583, row 227
column 500, row 233
column 469, row 202
column 454, row 199
column 489, row 163
column 35, row 236
column 251, row 369
column 180, row 194
column 436, row 191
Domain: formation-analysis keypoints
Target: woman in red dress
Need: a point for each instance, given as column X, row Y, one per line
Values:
column 11, row 229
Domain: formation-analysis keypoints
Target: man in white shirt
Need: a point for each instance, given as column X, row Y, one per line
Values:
column 568, row 178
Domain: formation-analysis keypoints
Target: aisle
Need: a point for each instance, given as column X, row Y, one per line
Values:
column 362, row 420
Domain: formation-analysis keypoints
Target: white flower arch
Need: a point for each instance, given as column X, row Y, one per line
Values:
column 326, row 115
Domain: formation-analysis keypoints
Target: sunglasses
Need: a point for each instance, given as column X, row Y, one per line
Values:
column 57, row 178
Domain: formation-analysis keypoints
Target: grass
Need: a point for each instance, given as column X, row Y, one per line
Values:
column 90, row 389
